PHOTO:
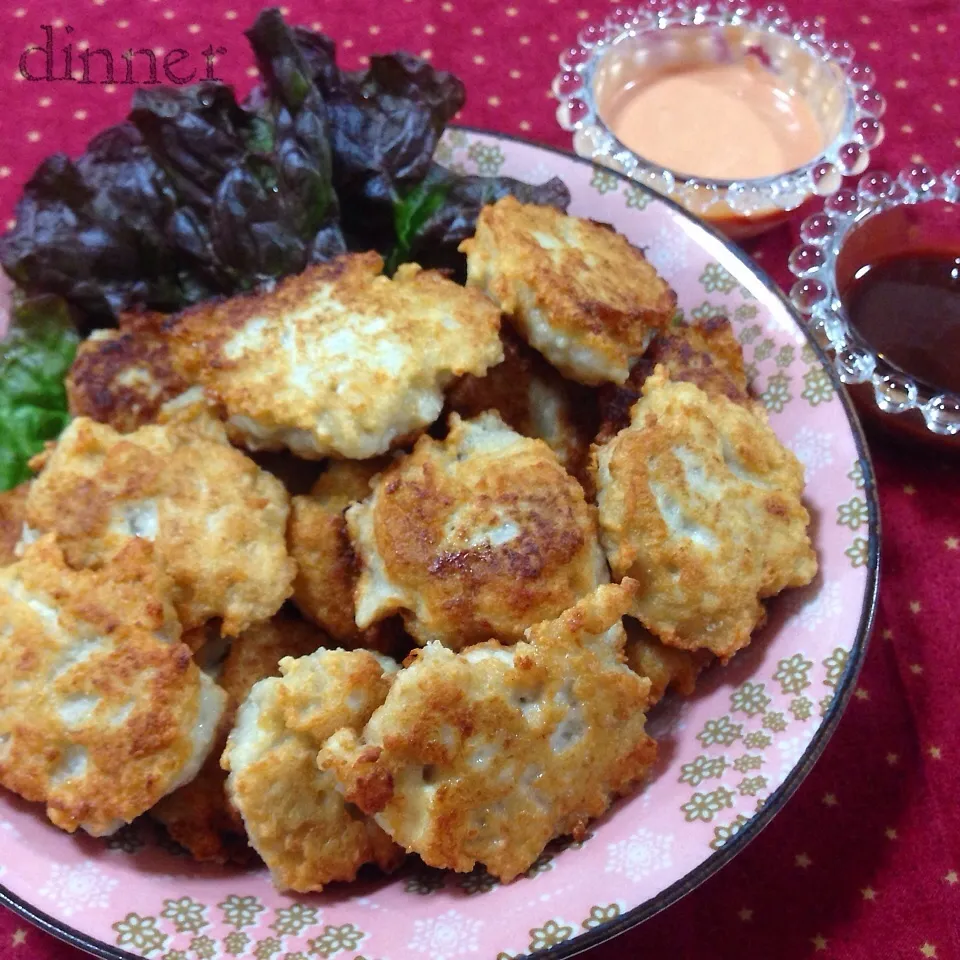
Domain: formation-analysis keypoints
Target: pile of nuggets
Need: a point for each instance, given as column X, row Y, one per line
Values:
column 358, row 567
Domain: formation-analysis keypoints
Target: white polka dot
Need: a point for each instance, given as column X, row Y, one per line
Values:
column 914, row 28
column 123, row 24
column 524, row 40
column 83, row 45
column 906, row 128
column 477, row 31
column 374, row 29
column 582, row 14
column 430, row 28
column 347, row 44
column 80, row 114
column 168, row 14
column 11, row 223
column 285, row 11
column 316, row 25
column 17, row 75
column 952, row 82
column 915, row 56
column 515, row 74
column 874, row 45
column 941, row 28
column 4, row 171
column 364, row 60
column 553, row 38
column 231, row 14
column 511, row 11
column 864, row 19
column 109, row 88
column 493, row 101
column 44, row 101
column 253, row 72
column 937, row 108
column 900, row 84
column 524, row 124
column 426, row 54
column 33, row 136
column 479, row 59
column 917, row 158
column 194, row 28
column 19, row 12
column 58, row 23
column 159, row 51
column 446, row 7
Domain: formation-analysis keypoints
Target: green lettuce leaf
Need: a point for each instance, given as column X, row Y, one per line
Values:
column 34, row 360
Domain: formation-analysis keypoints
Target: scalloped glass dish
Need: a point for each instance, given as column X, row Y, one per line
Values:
column 885, row 215
column 683, row 34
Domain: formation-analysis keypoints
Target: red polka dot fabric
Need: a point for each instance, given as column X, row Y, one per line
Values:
column 864, row 862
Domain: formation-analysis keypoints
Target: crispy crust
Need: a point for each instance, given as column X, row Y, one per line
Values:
column 707, row 355
column 297, row 821
column 533, row 399
column 184, row 487
column 12, row 507
column 198, row 815
column 575, row 289
column 667, row 668
column 123, row 377
column 486, row 755
column 337, row 360
column 700, row 502
column 102, row 710
column 477, row 536
column 327, row 567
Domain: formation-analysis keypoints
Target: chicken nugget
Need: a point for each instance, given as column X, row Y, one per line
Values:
column 338, row 360
column 534, row 400
column 667, row 668
column 102, row 710
column 484, row 756
column 296, row 819
column 123, row 377
column 700, row 502
column 327, row 567
column 575, row 289
column 12, row 505
column 474, row 537
column 217, row 520
column 198, row 815
column 706, row 354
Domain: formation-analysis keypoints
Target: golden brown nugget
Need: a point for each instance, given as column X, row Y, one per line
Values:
column 339, row 360
column 484, row 756
column 198, row 815
column 102, row 710
column 576, row 290
column 474, row 537
column 217, row 520
column 706, row 354
column 667, row 668
column 700, row 502
column 124, row 377
column 296, row 819
column 327, row 567
column 534, row 400
column 12, row 506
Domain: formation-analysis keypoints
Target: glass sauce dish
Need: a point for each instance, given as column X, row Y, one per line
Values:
column 879, row 281
column 663, row 40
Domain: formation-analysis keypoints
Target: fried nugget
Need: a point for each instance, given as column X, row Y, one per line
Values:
column 700, row 502
column 338, row 360
column 327, row 567
column 484, row 756
column 296, row 819
column 217, row 520
column 12, row 504
column 198, row 815
column 102, row 710
column 667, row 668
column 474, row 537
column 707, row 354
column 124, row 377
column 534, row 400
column 575, row 289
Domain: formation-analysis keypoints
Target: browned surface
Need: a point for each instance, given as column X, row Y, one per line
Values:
column 486, row 755
column 667, row 668
column 431, row 537
column 707, row 355
column 12, row 508
column 590, row 284
column 132, row 699
column 198, row 815
column 700, row 502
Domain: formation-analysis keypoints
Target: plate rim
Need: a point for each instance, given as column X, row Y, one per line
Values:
column 778, row 799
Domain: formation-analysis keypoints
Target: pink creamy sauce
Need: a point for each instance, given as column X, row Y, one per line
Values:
column 726, row 122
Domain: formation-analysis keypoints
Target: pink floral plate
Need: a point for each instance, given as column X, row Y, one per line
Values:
column 730, row 756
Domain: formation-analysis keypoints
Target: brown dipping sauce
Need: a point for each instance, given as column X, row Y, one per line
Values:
column 906, row 306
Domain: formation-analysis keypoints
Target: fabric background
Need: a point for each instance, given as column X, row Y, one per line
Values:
column 864, row 862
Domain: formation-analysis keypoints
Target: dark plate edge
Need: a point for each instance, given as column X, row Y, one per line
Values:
column 777, row 800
